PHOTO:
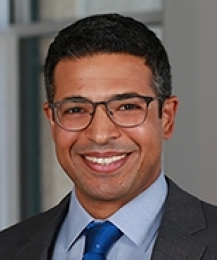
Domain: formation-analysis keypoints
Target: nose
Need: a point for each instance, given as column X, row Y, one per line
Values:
column 102, row 129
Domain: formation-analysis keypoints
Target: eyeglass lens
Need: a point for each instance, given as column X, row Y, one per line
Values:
column 76, row 115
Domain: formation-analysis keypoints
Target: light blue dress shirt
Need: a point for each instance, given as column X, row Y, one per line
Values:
column 139, row 220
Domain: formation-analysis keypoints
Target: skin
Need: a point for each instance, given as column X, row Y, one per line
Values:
column 103, row 189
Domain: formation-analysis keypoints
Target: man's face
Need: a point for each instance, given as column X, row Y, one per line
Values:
column 133, row 154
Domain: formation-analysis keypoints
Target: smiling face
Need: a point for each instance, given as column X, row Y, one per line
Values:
column 110, row 165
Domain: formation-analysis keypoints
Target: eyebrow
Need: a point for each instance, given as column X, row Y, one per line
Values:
column 125, row 95
column 75, row 98
column 115, row 97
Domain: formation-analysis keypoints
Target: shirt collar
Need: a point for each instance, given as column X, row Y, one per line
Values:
column 139, row 219
column 76, row 220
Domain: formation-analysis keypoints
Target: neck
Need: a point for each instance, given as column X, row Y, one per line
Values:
column 100, row 209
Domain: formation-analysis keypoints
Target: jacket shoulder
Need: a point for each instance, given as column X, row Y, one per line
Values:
column 210, row 232
column 18, row 235
column 192, row 217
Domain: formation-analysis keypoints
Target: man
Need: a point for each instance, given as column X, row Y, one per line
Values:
column 110, row 106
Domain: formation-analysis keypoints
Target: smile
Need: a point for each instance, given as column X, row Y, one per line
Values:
column 105, row 160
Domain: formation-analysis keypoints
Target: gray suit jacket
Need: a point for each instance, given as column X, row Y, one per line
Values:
column 188, row 231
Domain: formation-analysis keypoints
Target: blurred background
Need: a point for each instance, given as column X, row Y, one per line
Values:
column 30, row 178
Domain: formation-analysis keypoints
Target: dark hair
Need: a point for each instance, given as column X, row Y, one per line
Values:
column 109, row 33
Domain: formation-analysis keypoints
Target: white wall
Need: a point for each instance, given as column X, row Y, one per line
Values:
column 9, row 125
column 190, row 35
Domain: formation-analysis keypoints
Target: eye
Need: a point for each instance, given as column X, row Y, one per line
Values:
column 130, row 106
column 74, row 110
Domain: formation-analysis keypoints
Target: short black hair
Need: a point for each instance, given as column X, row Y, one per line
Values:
column 109, row 33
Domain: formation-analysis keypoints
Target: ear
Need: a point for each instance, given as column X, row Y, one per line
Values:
column 49, row 115
column 168, row 116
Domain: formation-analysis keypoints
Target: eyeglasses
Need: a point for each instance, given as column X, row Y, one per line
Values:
column 125, row 110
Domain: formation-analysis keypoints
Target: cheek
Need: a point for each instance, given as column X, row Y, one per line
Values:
column 146, row 134
column 148, row 138
column 64, row 141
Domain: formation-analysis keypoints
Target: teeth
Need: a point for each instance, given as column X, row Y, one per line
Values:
column 105, row 160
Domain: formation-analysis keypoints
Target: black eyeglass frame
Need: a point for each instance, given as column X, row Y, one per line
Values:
column 148, row 99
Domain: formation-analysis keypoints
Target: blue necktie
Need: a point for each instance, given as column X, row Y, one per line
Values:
column 100, row 236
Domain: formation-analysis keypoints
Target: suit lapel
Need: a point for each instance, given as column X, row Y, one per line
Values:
column 182, row 218
column 174, row 244
column 40, row 239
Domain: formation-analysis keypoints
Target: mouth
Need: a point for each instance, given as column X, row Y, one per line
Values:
column 105, row 160
column 105, row 163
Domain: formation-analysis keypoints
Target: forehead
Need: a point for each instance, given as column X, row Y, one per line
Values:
column 101, row 76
